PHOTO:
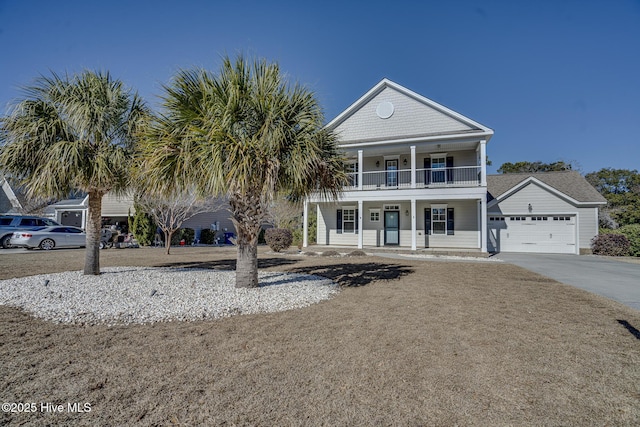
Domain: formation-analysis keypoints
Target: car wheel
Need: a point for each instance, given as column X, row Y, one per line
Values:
column 47, row 244
column 4, row 242
column 102, row 244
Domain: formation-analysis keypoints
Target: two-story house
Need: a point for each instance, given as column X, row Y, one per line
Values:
column 417, row 179
column 417, row 175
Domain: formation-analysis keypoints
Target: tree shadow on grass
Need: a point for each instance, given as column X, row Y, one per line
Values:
column 353, row 275
column 633, row 331
column 230, row 264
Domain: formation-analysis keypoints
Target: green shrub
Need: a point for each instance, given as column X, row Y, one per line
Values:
column 632, row 233
column 278, row 238
column 187, row 234
column 207, row 236
column 610, row 245
column 142, row 227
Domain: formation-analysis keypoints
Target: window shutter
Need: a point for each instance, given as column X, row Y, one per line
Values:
column 357, row 222
column 427, row 172
column 449, row 169
column 427, row 221
column 450, row 222
column 339, row 221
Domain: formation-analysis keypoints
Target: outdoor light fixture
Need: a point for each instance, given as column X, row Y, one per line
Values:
column 405, row 162
column 377, row 163
column 406, row 212
column 530, row 207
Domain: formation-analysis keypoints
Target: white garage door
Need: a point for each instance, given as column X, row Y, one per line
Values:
column 533, row 233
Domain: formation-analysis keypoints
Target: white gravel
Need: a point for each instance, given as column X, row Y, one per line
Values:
column 125, row 295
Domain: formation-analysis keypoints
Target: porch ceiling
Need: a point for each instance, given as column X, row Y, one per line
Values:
column 421, row 148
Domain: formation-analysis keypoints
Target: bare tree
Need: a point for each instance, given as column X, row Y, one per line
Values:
column 284, row 213
column 170, row 212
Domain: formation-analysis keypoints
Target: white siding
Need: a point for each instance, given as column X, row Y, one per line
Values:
column 541, row 200
column 465, row 225
column 410, row 118
column 113, row 205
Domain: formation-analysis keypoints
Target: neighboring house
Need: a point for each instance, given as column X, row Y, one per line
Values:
column 553, row 212
column 9, row 202
column 417, row 179
column 115, row 210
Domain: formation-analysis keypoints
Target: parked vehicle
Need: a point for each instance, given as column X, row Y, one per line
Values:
column 11, row 223
column 47, row 238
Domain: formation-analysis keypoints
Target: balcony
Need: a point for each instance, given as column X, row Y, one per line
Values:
column 465, row 176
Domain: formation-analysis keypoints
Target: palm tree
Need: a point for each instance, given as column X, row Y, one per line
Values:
column 73, row 133
column 245, row 134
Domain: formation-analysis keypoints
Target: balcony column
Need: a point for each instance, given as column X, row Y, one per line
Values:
column 482, row 210
column 414, row 238
column 360, row 166
column 413, row 166
column 305, row 223
column 483, row 164
column 360, row 227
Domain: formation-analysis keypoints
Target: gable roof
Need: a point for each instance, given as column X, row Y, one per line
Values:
column 568, row 183
column 390, row 111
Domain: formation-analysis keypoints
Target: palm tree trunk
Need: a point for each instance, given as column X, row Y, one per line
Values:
column 94, row 224
column 247, row 264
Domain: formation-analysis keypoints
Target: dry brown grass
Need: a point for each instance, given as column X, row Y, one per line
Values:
column 405, row 343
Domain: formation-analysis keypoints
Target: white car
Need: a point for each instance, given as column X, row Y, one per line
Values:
column 47, row 238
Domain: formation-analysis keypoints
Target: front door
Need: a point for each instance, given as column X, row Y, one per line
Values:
column 392, row 228
column 391, row 167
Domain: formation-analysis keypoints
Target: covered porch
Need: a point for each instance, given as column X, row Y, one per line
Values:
column 419, row 223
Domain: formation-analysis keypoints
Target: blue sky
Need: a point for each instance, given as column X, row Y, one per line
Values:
column 555, row 79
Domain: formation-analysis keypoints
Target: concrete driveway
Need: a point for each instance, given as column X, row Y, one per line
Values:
column 617, row 280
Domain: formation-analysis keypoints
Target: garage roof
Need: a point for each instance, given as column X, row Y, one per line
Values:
column 570, row 183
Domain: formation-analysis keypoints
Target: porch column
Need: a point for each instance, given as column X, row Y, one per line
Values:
column 413, row 166
column 413, row 224
column 483, row 167
column 360, row 224
column 483, row 224
column 360, row 166
column 305, row 222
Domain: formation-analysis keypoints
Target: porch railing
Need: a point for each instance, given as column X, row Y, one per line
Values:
column 463, row 176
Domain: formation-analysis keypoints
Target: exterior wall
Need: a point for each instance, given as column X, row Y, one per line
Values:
column 466, row 232
column 205, row 220
column 541, row 200
column 411, row 117
column 117, row 206
column 587, row 226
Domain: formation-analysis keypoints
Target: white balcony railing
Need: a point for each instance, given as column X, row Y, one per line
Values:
column 464, row 176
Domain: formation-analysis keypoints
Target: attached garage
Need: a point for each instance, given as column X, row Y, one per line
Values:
column 533, row 233
column 553, row 212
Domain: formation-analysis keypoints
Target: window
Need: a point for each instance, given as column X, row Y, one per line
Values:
column 437, row 168
column 562, row 218
column 391, row 207
column 439, row 220
column 374, row 215
column 539, row 218
column 348, row 220
column 496, row 218
column 5, row 221
column 517, row 218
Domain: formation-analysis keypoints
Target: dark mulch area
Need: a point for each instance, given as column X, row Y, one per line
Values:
column 405, row 343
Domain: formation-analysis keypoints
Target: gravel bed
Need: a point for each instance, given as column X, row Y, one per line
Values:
column 125, row 295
